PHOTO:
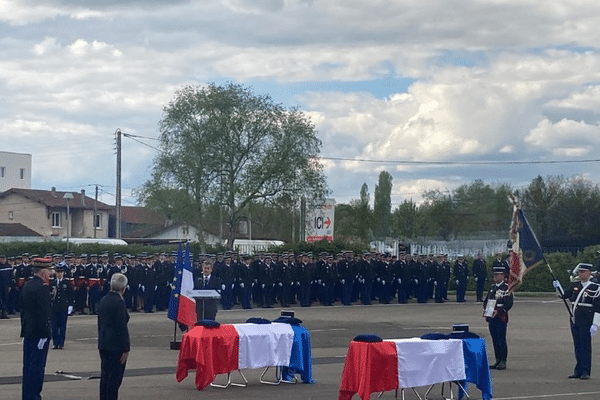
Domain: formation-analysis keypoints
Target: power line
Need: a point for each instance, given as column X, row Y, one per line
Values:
column 404, row 162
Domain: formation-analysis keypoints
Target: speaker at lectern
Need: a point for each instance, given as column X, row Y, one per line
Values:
column 206, row 302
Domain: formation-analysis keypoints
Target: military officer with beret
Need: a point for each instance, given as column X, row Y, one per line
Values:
column 585, row 299
column 496, row 305
column 63, row 299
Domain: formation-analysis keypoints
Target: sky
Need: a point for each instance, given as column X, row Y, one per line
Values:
column 437, row 93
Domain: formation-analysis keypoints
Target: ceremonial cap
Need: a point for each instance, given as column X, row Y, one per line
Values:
column 585, row 266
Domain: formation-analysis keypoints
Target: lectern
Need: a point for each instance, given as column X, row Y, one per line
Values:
column 203, row 295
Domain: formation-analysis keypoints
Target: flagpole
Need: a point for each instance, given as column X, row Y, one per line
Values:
column 516, row 235
column 559, row 289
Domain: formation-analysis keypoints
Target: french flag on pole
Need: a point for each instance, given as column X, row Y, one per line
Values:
column 182, row 309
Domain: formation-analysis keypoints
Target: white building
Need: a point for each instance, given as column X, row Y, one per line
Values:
column 15, row 171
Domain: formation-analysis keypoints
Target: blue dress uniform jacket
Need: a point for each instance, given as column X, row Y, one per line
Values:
column 498, row 322
column 35, row 310
column 63, row 296
column 586, row 303
column 35, row 331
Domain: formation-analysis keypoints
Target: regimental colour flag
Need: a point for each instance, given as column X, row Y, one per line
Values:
column 526, row 252
column 182, row 309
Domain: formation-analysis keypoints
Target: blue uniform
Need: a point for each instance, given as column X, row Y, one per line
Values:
column 499, row 320
column 586, row 303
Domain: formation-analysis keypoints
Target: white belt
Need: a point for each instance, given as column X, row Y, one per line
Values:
column 585, row 305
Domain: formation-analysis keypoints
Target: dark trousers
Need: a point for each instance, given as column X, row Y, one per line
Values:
column 247, row 296
column 59, row 327
column 34, row 366
column 479, row 286
column 461, row 290
column 582, row 341
column 498, row 332
column 305, row 294
column 402, row 291
column 366, row 291
column 347, row 292
column 111, row 375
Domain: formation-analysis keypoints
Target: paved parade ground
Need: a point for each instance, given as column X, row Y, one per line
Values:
column 540, row 352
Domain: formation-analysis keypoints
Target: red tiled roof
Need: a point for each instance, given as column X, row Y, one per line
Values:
column 55, row 198
column 13, row 229
column 142, row 216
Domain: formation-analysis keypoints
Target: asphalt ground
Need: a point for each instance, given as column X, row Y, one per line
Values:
column 539, row 361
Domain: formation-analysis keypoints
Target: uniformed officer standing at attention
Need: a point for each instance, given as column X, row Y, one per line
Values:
column 585, row 298
column 496, row 306
column 35, row 328
column 480, row 274
column 461, row 274
column 63, row 299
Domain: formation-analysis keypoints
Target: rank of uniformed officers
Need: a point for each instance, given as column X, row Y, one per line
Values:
column 262, row 280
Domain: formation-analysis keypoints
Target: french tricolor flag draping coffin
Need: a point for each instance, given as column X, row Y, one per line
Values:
column 402, row 363
column 182, row 309
column 214, row 351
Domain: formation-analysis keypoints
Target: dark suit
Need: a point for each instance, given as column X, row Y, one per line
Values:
column 35, row 328
column 113, row 341
column 210, row 305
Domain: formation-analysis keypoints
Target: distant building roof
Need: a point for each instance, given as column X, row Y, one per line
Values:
column 16, row 229
column 142, row 216
column 53, row 198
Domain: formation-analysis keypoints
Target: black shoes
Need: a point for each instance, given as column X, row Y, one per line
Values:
column 499, row 365
column 582, row 376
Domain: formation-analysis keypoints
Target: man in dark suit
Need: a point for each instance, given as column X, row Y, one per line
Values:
column 35, row 328
column 113, row 337
column 206, row 281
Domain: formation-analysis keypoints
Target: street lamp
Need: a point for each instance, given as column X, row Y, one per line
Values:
column 68, row 196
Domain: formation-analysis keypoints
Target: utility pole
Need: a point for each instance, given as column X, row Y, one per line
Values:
column 118, row 194
column 95, row 211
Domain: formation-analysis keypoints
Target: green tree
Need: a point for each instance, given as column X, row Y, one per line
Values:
column 382, row 205
column 364, row 214
column 404, row 219
column 228, row 147
column 539, row 198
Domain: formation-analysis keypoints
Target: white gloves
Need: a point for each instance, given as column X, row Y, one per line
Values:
column 593, row 330
column 223, row 287
column 242, row 285
column 263, row 285
column 559, row 289
column 70, row 310
column 399, row 280
column 343, row 281
column 457, row 282
column 416, row 281
column 383, row 282
column 476, row 279
column 42, row 342
column 280, row 284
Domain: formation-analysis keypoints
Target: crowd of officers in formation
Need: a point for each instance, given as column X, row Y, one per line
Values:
column 260, row 281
